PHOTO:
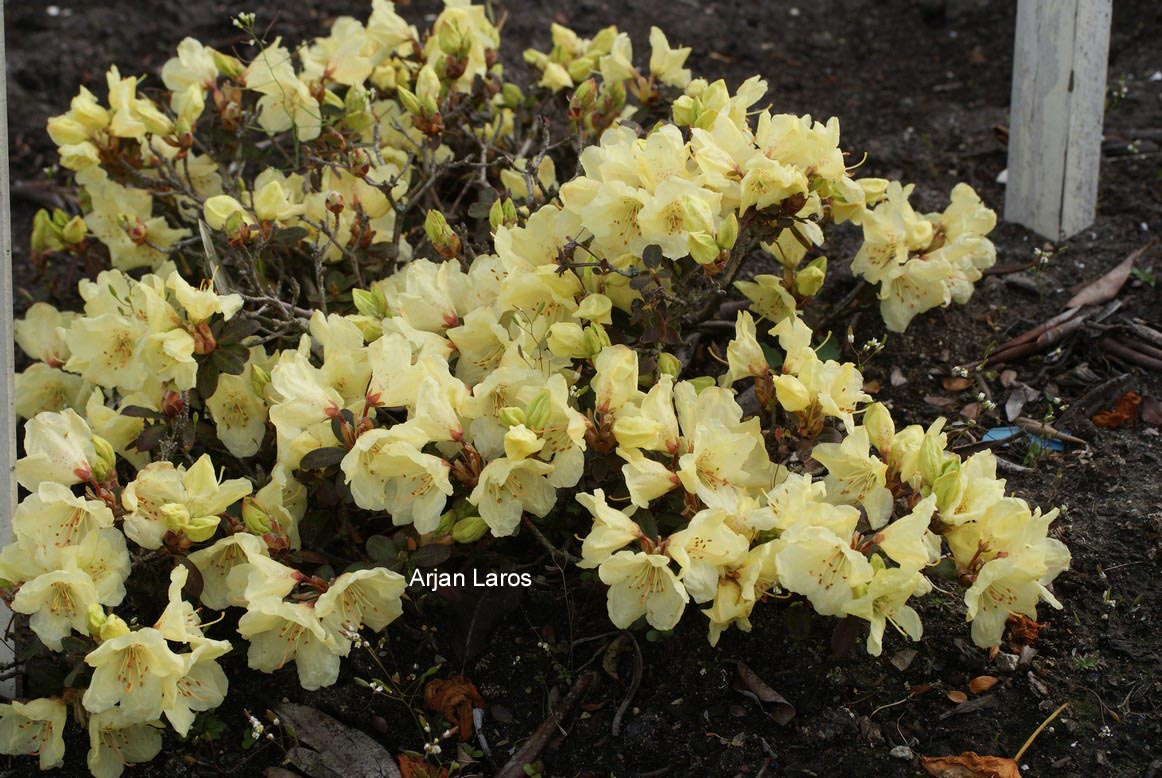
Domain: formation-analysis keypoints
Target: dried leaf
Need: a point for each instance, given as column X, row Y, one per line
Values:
column 1125, row 412
column 454, row 699
column 938, row 401
column 1107, row 287
column 1008, row 378
column 1023, row 630
column 748, row 684
column 903, row 658
column 872, row 387
column 957, row 696
column 415, row 766
column 621, row 645
column 971, row 765
column 898, row 378
column 981, row 684
column 956, row 383
column 1152, row 411
column 329, row 748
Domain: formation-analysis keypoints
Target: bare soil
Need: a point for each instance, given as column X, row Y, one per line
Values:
column 921, row 87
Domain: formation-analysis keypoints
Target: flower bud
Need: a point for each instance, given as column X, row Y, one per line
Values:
column 367, row 303
column 636, row 431
column 874, row 190
column 728, row 232
column 512, row 95
column 696, row 214
column 443, row 239
column 44, row 233
column 334, row 202
column 596, row 308
column 218, row 209
column 567, row 341
column 259, row 379
column 106, row 463
column 595, row 338
column 880, row 427
column 580, row 68
column 702, row 382
column 254, row 517
column 202, row 528
column 520, row 442
column 538, row 411
column 947, row 486
column 668, row 364
column 511, row 416
column 686, row 111
column 809, row 280
column 409, row 101
column 228, row 66
column 428, row 85
column 703, row 248
column 65, row 130
column 469, row 529
column 105, row 626
column 450, row 39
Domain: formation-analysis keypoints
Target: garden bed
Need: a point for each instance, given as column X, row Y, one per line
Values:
column 923, row 88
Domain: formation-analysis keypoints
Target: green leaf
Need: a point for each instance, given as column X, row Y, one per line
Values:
column 381, row 549
column 430, row 556
column 322, row 458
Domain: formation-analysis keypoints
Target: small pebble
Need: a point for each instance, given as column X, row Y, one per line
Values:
column 902, row 752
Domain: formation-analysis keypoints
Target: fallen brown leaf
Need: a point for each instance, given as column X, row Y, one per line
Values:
column 872, row 387
column 454, row 699
column 1107, row 287
column 957, row 696
column 1152, row 411
column 1125, row 412
column 411, row 766
column 971, row 765
column 1023, row 630
column 956, row 383
column 748, row 684
column 938, row 401
column 982, row 683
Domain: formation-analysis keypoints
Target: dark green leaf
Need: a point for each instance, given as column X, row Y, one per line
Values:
column 237, row 329
column 380, row 548
column 322, row 458
column 231, row 358
column 208, row 372
column 430, row 556
column 137, row 412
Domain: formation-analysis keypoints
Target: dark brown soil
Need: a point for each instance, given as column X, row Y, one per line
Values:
column 920, row 86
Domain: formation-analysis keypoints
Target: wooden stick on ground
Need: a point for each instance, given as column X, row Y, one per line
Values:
column 532, row 748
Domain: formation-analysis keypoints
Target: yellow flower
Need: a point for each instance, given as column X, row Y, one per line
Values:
column 364, row 597
column 643, row 585
column 34, row 728
column 281, row 632
column 612, row 530
column 118, row 739
column 58, row 448
column 134, row 672
column 666, row 63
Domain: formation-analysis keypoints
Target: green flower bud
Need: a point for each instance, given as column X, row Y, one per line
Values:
column 409, row 101
column 686, row 111
column 880, row 427
column 809, row 280
column 512, row 95
column 947, row 486
column 259, row 378
column 256, row 519
column 703, row 248
column 447, row 521
column 450, row 39
column 511, row 416
column 728, row 232
column 106, row 463
column 567, row 340
column 228, row 66
column 368, row 303
column 44, row 233
column 595, row 339
column 538, row 411
column 202, row 528
column 668, row 364
column 469, row 530
column 702, row 382
column 442, row 237
column 579, row 69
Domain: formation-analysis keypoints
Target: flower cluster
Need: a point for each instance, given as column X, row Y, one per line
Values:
column 349, row 298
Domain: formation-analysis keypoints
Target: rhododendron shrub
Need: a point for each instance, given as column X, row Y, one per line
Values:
column 370, row 288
